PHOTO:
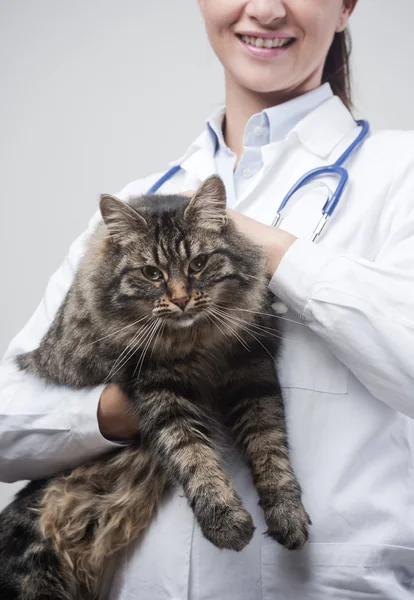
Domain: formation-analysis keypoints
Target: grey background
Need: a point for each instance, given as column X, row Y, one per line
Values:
column 96, row 94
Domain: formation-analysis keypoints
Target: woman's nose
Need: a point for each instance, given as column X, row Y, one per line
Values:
column 266, row 11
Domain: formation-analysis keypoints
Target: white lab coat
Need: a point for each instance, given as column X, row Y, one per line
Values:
column 347, row 370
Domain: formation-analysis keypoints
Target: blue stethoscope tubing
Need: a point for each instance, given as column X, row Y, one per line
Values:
column 337, row 169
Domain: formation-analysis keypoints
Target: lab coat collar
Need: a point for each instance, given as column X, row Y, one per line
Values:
column 325, row 127
column 319, row 132
column 199, row 158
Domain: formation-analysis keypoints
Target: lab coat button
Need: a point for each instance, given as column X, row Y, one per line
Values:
column 247, row 172
column 258, row 131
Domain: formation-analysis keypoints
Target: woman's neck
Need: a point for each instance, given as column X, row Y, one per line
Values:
column 242, row 103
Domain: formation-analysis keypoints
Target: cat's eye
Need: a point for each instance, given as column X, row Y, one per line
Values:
column 198, row 263
column 152, row 273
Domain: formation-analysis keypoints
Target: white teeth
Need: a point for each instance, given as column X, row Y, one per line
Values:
column 265, row 42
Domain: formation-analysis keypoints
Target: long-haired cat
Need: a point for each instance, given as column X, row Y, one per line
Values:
column 171, row 303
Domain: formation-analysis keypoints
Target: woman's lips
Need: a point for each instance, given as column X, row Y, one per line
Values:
column 265, row 47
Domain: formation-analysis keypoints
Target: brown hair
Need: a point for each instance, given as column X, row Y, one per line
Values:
column 337, row 67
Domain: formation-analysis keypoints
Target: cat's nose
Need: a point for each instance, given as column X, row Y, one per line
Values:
column 181, row 302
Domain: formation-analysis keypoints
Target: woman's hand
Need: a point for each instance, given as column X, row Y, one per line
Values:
column 114, row 417
column 275, row 241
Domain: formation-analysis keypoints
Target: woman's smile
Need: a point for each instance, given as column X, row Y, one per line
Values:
column 265, row 45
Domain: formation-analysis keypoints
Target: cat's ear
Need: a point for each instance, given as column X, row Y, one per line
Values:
column 207, row 207
column 120, row 218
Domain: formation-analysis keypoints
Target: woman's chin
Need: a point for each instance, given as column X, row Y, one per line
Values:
column 262, row 80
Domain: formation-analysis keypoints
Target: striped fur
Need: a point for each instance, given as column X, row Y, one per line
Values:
column 186, row 378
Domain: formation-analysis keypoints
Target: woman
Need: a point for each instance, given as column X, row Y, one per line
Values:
column 347, row 368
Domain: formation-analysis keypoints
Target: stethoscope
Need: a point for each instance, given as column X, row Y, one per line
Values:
column 335, row 170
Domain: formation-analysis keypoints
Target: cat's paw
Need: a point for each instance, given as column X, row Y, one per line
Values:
column 228, row 527
column 288, row 523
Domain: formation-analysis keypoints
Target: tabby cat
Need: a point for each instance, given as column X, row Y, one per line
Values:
column 171, row 303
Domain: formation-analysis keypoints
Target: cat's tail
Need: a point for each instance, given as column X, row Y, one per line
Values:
column 99, row 508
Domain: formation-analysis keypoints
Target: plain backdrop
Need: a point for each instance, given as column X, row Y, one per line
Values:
column 96, row 94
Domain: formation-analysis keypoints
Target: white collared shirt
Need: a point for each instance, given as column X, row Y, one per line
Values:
column 269, row 126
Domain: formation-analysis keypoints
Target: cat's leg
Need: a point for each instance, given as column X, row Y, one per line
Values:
column 180, row 436
column 253, row 409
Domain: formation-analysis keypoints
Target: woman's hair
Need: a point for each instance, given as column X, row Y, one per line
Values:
column 337, row 67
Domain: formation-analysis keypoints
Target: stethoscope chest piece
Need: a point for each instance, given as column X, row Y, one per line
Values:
column 300, row 216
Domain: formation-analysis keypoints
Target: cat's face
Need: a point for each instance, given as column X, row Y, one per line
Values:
column 177, row 261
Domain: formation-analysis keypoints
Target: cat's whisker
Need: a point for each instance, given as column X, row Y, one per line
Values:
column 249, row 332
column 159, row 334
column 143, row 343
column 132, row 350
column 262, row 313
column 128, row 351
column 154, row 330
column 209, row 317
column 262, row 279
column 235, row 333
column 266, row 331
column 119, row 360
column 226, row 324
column 246, row 324
column 115, row 332
column 144, row 346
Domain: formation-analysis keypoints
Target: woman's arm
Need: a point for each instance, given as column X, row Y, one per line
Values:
column 363, row 310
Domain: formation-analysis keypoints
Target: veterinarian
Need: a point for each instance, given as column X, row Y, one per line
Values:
column 347, row 365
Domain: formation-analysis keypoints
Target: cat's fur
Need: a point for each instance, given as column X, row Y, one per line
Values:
column 184, row 379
